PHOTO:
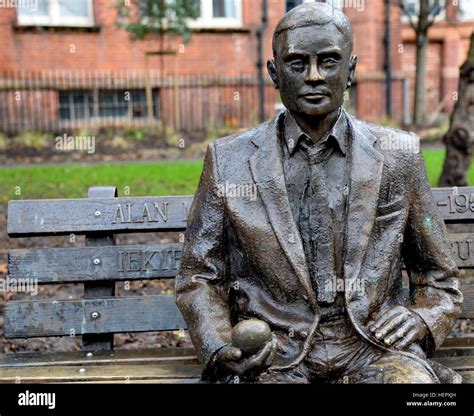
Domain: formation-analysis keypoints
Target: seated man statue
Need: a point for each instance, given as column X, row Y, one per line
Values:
column 306, row 270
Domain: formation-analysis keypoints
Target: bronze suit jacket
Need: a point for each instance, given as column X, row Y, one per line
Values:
column 243, row 256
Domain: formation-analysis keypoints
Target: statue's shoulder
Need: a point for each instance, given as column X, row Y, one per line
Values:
column 243, row 142
column 391, row 140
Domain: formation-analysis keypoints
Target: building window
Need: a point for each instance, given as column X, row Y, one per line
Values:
column 76, row 13
column 75, row 105
column 412, row 8
column 291, row 4
column 338, row 4
column 218, row 14
column 83, row 104
column 466, row 10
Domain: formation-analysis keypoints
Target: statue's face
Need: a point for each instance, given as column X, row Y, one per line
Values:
column 312, row 68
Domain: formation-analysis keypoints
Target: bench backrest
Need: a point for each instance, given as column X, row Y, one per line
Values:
column 101, row 263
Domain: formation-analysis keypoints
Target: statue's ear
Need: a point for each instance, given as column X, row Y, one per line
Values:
column 271, row 66
column 352, row 70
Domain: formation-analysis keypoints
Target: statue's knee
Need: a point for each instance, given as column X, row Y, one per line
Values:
column 403, row 370
column 411, row 376
column 393, row 369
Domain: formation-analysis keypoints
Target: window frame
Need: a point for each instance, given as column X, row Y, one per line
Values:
column 208, row 21
column 54, row 17
column 439, row 18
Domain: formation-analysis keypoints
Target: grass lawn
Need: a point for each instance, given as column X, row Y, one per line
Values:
column 159, row 178
column 434, row 160
column 434, row 164
column 73, row 181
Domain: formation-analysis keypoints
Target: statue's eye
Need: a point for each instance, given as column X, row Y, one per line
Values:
column 297, row 65
column 329, row 62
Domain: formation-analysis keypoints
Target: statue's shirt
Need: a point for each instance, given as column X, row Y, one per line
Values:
column 334, row 146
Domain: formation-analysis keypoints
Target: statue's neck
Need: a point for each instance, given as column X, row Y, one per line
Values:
column 314, row 126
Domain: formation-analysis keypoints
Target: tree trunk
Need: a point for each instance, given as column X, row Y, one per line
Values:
column 422, row 43
column 460, row 137
column 421, row 57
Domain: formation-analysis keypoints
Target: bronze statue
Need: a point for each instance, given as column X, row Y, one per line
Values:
column 312, row 258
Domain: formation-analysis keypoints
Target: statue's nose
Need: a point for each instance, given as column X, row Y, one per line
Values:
column 313, row 72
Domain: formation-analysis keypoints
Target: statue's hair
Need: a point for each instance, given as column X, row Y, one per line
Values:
column 311, row 14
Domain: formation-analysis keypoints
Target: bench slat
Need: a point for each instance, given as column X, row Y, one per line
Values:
column 92, row 373
column 457, row 363
column 463, row 249
column 468, row 309
column 25, row 319
column 81, row 264
column 454, row 347
column 65, row 216
column 134, row 262
column 141, row 381
column 462, row 365
column 169, row 355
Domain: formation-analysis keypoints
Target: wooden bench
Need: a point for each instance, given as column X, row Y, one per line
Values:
column 100, row 263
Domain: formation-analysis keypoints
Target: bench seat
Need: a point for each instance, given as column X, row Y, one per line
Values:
column 165, row 365
column 100, row 263
column 456, row 347
column 464, row 365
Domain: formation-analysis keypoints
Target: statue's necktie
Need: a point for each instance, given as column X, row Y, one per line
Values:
column 316, row 224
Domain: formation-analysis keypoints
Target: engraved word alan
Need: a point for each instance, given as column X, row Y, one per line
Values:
column 146, row 212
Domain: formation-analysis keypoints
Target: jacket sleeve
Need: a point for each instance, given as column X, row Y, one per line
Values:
column 201, row 285
column 434, row 284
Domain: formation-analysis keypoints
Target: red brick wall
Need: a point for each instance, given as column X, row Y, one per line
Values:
column 111, row 47
column 229, row 53
column 233, row 53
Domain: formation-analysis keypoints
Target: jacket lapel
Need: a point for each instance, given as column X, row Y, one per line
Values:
column 267, row 171
column 365, row 177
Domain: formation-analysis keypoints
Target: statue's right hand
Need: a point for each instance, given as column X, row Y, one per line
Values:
column 230, row 360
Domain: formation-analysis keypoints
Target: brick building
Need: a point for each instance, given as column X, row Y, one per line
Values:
column 449, row 44
column 66, row 61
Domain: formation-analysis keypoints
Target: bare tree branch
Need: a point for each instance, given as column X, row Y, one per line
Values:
column 401, row 4
column 434, row 11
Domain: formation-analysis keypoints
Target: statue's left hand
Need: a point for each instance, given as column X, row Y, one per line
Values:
column 399, row 328
column 230, row 360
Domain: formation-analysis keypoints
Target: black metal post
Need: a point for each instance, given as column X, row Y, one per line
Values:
column 388, row 58
column 260, row 60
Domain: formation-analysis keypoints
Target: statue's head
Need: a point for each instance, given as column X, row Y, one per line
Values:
column 312, row 63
